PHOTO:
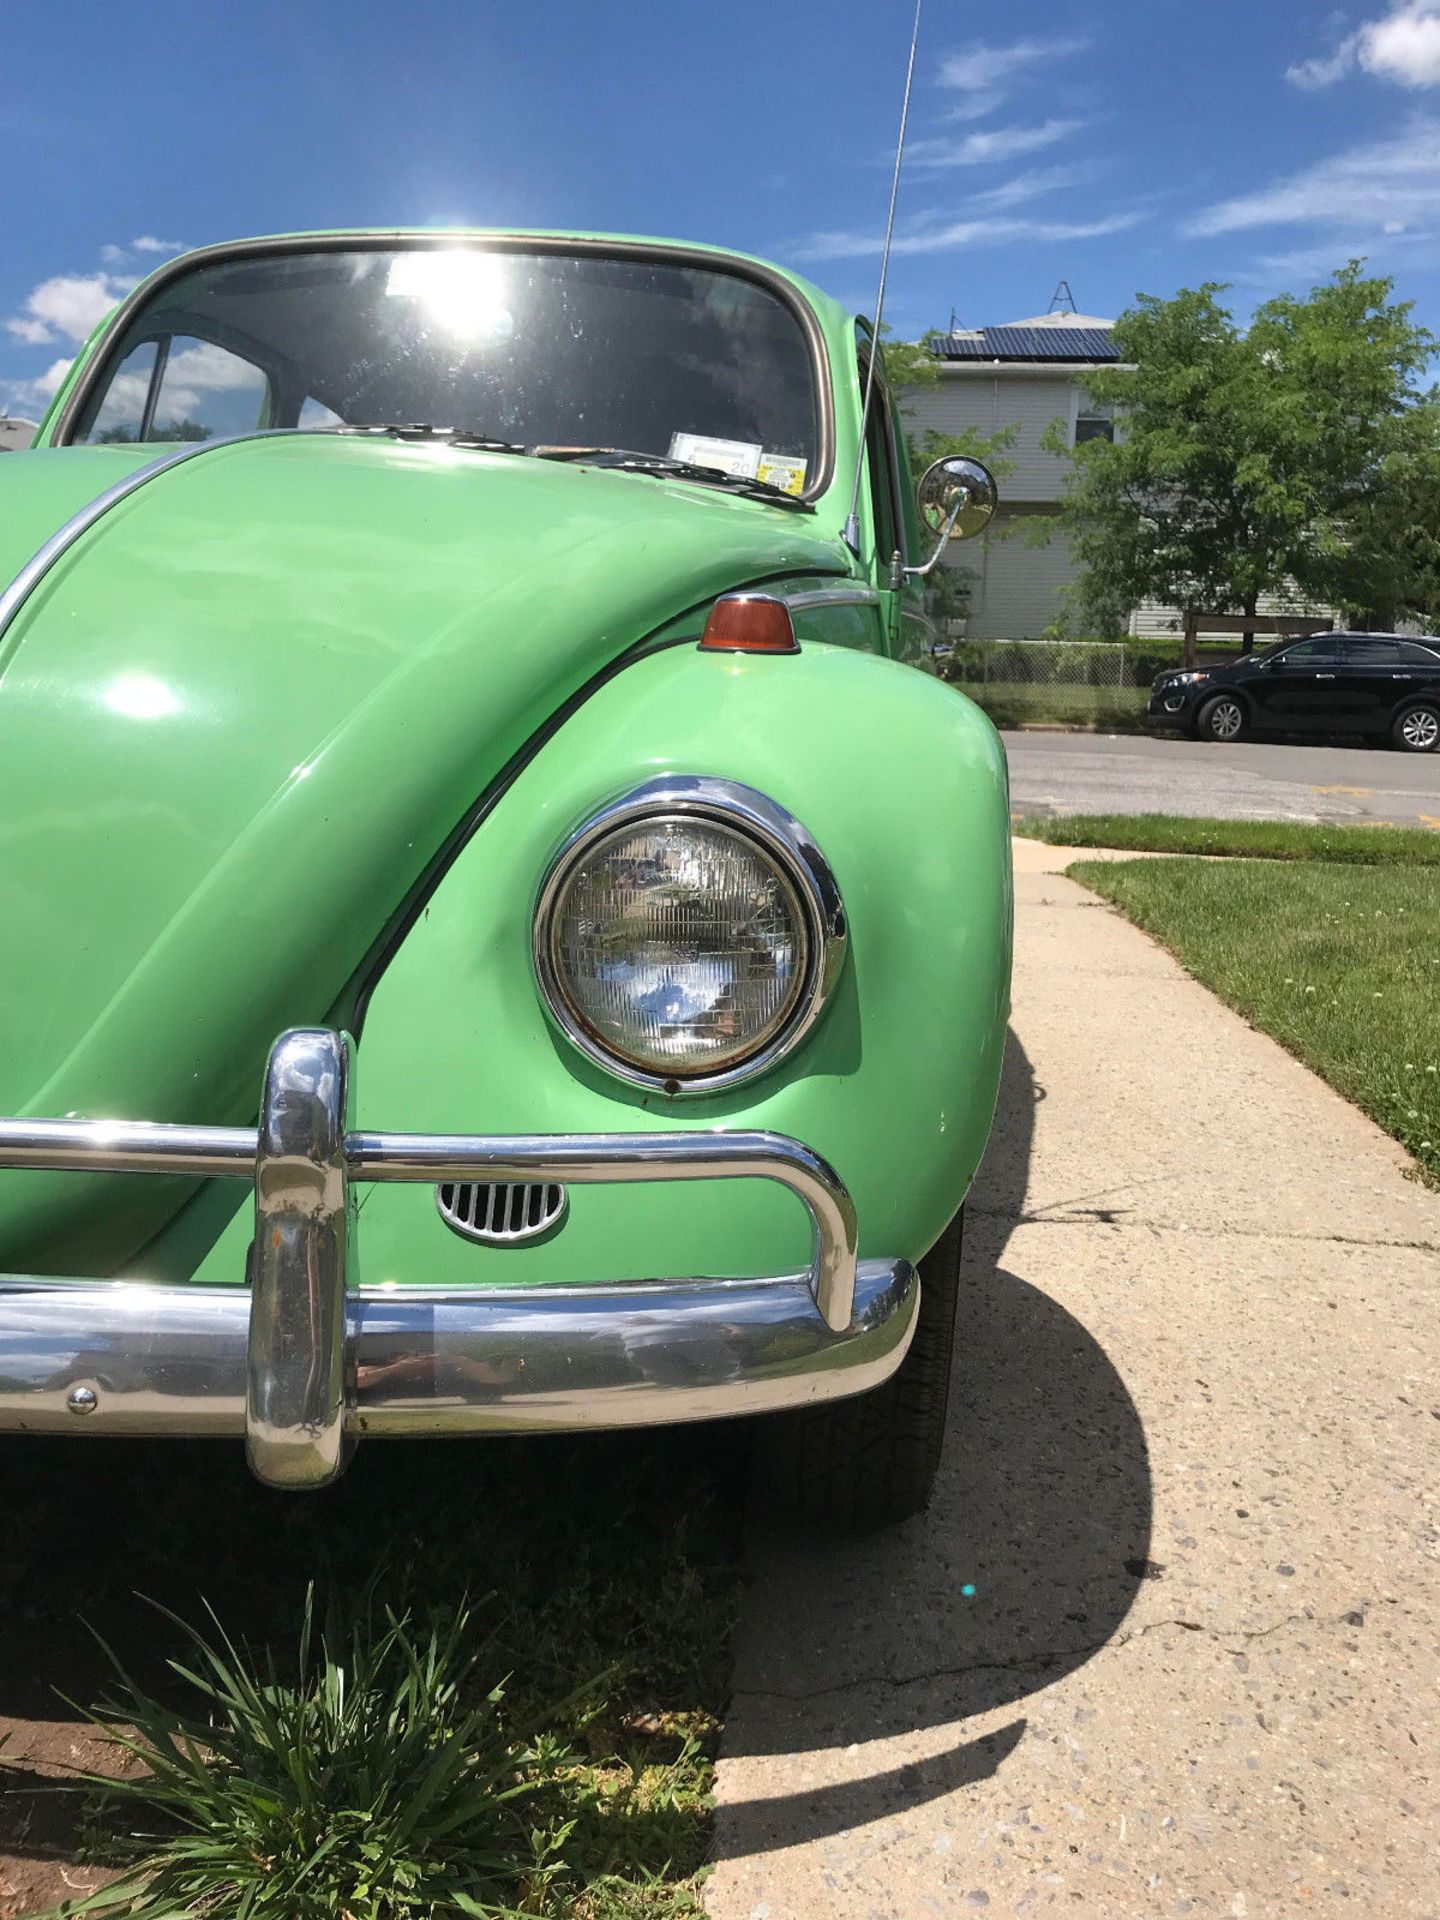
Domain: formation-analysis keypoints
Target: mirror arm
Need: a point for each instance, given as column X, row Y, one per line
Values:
column 919, row 573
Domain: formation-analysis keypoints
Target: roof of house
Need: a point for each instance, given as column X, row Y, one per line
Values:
column 1046, row 336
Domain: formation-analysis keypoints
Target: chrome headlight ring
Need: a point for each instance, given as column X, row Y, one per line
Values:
column 780, row 838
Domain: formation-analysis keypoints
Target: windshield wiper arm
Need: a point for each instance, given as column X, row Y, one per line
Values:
column 628, row 460
column 475, row 437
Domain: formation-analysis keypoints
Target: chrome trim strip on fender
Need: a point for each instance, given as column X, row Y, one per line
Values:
column 65, row 537
column 170, row 1361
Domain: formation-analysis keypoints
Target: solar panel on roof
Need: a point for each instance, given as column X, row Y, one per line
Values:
column 1028, row 343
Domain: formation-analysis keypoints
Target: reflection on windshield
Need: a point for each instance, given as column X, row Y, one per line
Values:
column 535, row 348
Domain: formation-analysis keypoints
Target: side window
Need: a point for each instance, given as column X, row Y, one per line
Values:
column 1375, row 653
column 123, row 407
column 1414, row 655
column 205, row 392
column 315, row 413
column 1325, row 650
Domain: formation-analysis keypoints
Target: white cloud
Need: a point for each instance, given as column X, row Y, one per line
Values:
column 961, row 233
column 1000, row 143
column 67, row 307
column 1394, row 181
column 147, row 243
column 1403, row 46
column 978, row 68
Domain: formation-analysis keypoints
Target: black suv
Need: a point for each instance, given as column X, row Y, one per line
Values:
column 1382, row 684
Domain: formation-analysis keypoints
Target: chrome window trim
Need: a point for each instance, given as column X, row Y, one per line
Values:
column 782, row 837
column 509, row 241
column 813, row 598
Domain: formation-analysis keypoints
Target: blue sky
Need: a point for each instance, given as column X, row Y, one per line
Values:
column 1122, row 145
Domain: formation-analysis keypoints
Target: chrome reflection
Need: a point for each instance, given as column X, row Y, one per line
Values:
column 170, row 1361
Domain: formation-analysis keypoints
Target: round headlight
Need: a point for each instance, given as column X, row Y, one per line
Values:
column 685, row 937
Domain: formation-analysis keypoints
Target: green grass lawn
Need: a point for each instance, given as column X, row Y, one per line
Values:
column 1254, row 839
column 1020, row 703
column 1341, row 964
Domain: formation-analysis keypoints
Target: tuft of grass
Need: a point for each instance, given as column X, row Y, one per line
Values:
column 378, row 1782
column 613, row 1555
column 1340, row 964
column 1248, row 839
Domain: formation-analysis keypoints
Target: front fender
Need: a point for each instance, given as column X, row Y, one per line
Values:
column 902, row 783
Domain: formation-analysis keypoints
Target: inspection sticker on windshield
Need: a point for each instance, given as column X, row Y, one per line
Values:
column 737, row 457
column 783, row 470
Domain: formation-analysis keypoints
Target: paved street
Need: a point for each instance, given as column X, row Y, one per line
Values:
column 1132, row 773
column 1166, row 1642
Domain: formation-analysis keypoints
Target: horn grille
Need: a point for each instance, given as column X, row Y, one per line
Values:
column 500, row 1214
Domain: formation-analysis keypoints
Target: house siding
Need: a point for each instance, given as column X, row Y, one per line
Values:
column 988, row 399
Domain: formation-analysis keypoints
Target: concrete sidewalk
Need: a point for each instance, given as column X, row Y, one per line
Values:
column 1168, row 1641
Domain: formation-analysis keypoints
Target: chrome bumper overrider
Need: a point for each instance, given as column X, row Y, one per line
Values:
column 302, row 1362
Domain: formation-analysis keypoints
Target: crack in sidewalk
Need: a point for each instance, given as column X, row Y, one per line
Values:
column 1114, row 1217
column 1031, row 1663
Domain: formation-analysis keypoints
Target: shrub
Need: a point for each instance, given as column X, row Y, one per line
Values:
column 379, row 1783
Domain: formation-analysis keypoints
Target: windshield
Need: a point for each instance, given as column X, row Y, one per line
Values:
column 536, row 348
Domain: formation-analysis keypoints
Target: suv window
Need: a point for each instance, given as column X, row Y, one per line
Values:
column 1413, row 654
column 1375, row 653
column 1324, row 650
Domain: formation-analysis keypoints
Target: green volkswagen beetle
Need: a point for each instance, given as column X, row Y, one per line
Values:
column 502, row 927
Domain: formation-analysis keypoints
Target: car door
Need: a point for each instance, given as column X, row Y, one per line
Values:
column 1364, row 683
column 1417, row 672
column 1298, row 691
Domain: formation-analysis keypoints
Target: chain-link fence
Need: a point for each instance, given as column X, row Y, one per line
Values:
column 1081, row 681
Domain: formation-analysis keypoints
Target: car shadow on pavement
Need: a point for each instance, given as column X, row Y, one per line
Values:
column 1024, row 1566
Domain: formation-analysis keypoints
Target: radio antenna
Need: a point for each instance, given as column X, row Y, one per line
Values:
column 851, row 535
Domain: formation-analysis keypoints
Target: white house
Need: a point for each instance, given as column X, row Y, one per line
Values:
column 1025, row 375
column 1028, row 374
column 15, row 433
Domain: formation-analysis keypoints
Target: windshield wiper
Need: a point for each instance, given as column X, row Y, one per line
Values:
column 475, row 437
column 627, row 460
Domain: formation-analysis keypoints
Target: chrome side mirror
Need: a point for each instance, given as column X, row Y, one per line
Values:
column 957, row 499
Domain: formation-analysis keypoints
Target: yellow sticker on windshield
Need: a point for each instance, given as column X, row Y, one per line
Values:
column 782, row 470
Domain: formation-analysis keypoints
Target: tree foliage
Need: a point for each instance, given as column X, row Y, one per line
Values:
column 1248, row 460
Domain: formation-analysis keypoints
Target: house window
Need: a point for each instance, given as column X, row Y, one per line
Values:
column 1093, row 426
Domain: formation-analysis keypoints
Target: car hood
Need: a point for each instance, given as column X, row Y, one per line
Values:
column 240, row 718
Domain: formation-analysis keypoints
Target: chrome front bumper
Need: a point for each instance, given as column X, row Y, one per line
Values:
column 303, row 1362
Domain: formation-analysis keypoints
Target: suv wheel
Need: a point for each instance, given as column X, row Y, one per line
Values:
column 871, row 1461
column 1417, row 729
column 1222, row 718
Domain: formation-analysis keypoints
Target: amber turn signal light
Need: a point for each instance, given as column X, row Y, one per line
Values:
column 749, row 623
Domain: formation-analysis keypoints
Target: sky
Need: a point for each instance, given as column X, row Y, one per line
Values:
column 1120, row 145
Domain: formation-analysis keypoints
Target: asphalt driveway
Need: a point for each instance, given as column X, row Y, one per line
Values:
column 1166, row 1642
column 1060, row 773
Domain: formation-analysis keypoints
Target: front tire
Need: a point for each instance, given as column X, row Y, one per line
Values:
column 1417, row 729
column 1221, row 718
column 871, row 1462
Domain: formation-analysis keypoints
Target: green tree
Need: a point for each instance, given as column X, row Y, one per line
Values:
column 1389, row 567
column 1243, row 456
